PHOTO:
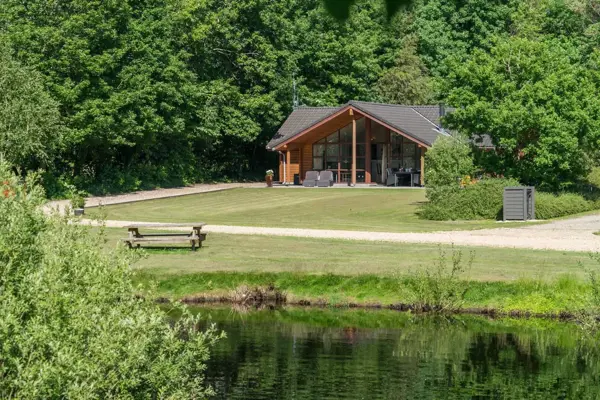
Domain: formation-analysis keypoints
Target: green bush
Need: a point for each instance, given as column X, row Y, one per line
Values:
column 549, row 205
column 482, row 200
column 442, row 287
column 449, row 160
column 594, row 177
column 71, row 322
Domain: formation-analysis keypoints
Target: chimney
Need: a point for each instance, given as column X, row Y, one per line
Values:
column 442, row 115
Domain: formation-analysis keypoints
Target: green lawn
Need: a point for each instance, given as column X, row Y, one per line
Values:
column 275, row 254
column 340, row 271
column 349, row 209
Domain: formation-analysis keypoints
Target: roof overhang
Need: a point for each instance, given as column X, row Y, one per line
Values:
column 283, row 145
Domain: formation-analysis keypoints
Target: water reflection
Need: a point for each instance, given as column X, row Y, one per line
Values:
column 355, row 354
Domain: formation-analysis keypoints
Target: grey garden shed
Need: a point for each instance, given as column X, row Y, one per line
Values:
column 519, row 203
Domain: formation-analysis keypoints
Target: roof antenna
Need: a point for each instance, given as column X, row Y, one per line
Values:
column 295, row 101
column 442, row 111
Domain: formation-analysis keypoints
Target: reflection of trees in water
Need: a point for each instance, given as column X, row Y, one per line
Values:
column 281, row 355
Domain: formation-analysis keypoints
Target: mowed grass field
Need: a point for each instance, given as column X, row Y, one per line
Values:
column 380, row 210
column 274, row 254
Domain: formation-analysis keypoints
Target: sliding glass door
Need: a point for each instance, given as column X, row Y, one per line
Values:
column 334, row 152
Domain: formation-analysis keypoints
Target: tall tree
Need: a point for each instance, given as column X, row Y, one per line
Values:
column 124, row 87
column 539, row 104
column 408, row 81
column 453, row 28
column 30, row 124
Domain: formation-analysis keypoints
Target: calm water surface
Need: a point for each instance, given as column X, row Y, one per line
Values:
column 355, row 354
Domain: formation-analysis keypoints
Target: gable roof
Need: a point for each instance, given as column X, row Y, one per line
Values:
column 420, row 122
column 299, row 120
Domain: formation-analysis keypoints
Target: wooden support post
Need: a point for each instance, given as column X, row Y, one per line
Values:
column 353, row 151
column 368, row 150
column 288, row 159
column 301, row 156
column 422, row 176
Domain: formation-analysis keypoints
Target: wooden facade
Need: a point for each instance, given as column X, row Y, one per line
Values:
column 296, row 153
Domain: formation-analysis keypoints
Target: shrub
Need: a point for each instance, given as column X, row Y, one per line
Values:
column 71, row 323
column 441, row 287
column 481, row 200
column 448, row 160
column 77, row 199
column 593, row 178
column 549, row 205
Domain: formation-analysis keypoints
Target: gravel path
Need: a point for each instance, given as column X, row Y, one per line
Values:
column 574, row 234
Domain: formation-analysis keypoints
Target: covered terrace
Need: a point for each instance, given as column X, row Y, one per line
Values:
column 358, row 142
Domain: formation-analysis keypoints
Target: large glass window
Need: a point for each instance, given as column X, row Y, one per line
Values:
column 404, row 153
column 335, row 151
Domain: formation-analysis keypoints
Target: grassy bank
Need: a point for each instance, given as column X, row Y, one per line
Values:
column 565, row 294
column 340, row 272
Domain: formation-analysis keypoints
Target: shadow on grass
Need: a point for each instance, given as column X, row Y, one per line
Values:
column 168, row 249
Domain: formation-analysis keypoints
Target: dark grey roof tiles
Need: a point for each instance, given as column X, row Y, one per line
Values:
column 300, row 119
column 420, row 122
column 414, row 121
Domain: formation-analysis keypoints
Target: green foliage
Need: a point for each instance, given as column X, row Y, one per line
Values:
column 448, row 161
column 71, row 324
column 539, row 104
column 481, row 200
column 408, row 81
column 77, row 199
column 442, row 287
column 594, row 177
column 122, row 83
column 449, row 29
column 340, row 9
column 30, row 126
column 168, row 92
column 548, row 205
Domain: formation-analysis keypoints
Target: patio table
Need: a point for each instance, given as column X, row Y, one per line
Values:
column 412, row 177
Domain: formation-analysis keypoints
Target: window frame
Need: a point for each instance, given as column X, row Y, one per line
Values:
column 326, row 143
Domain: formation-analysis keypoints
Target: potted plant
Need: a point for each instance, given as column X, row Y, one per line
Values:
column 78, row 203
column 269, row 178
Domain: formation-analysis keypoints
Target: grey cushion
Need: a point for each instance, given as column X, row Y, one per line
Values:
column 325, row 179
column 312, row 175
column 311, row 179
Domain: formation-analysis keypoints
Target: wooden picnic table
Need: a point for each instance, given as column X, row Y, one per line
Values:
column 195, row 237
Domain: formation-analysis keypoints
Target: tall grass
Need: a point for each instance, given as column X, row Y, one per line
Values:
column 442, row 287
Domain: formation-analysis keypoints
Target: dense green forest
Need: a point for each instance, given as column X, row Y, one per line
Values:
column 113, row 95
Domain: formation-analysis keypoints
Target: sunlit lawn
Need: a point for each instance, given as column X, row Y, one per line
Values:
column 275, row 254
column 349, row 209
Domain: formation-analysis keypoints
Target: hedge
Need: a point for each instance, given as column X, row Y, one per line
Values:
column 483, row 200
column 548, row 205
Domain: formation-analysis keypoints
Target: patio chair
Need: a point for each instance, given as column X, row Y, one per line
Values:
column 311, row 179
column 325, row 179
column 391, row 177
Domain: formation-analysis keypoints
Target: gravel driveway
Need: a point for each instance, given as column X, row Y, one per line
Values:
column 573, row 234
column 576, row 234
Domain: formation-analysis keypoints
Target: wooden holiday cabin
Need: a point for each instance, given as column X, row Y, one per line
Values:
column 358, row 141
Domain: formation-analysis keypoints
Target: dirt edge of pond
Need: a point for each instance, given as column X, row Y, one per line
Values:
column 267, row 301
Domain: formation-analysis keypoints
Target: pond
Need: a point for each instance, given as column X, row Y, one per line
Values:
column 304, row 353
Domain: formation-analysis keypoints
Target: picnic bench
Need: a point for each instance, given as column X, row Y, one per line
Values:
column 195, row 237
